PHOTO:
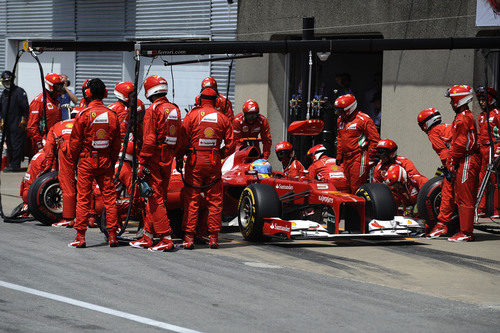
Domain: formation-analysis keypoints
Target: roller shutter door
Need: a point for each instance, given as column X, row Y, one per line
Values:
column 104, row 65
column 223, row 27
column 100, row 20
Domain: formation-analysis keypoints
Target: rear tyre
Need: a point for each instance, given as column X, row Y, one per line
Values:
column 45, row 199
column 379, row 202
column 257, row 201
column 429, row 200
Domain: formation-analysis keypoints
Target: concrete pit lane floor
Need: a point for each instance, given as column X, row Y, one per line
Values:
column 411, row 285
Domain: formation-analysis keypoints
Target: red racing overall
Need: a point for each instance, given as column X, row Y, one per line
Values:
column 93, row 147
column 356, row 141
column 484, row 149
column 294, row 170
column 242, row 130
column 202, row 133
column 412, row 172
column 35, row 168
column 53, row 115
column 465, row 161
column 56, row 146
column 161, row 126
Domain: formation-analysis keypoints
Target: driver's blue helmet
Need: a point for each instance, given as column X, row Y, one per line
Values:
column 263, row 168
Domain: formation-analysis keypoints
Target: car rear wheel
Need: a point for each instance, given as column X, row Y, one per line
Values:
column 45, row 199
column 379, row 202
column 257, row 201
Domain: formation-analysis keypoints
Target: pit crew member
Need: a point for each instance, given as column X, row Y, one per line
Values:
column 292, row 167
column 161, row 127
column 202, row 133
column 84, row 102
column 37, row 126
column 325, row 168
column 357, row 138
column 250, row 124
column 404, row 189
column 36, row 167
column 439, row 135
column 489, row 115
column 387, row 152
column 222, row 104
column 122, row 92
column 463, row 162
column 93, row 149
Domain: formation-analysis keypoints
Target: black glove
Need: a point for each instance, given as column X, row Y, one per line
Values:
column 179, row 163
column 338, row 161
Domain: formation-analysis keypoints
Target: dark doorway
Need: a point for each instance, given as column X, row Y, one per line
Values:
column 356, row 73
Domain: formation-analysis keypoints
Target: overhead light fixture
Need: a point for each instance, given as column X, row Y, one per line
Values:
column 323, row 56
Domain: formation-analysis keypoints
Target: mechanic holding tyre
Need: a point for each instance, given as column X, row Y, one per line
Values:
column 357, row 138
column 463, row 164
column 93, row 150
column 160, row 138
column 202, row 133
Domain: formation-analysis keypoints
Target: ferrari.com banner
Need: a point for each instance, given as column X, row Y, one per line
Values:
column 488, row 13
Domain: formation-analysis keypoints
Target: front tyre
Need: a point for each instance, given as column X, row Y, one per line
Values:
column 257, row 201
column 45, row 199
column 379, row 202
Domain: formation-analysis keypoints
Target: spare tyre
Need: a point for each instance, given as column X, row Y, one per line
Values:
column 257, row 201
column 45, row 199
column 379, row 202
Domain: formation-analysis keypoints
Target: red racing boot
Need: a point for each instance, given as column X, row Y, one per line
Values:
column 143, row 243
column 165, row 245
column 461, row 237
column 439, row 229
column 213, row 241
column 188, row 242
column 112, row 238
column 63, row 224
column 79, row 241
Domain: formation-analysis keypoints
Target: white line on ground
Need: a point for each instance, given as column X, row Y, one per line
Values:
column 93, row 307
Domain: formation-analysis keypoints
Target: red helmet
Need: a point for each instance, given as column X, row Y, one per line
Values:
column 387, row 149
column 345, row 105
column 123, row 90
column 208, row 94
column 481, row 92
column 51, row 79
column 285, row 145
column 395, row 173
column 460, row 95
column 250, row 106
column 209, row 82
column 316, row 152
column 428, row 118
column 155, row 84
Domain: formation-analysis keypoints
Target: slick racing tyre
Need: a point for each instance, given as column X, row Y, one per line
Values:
column 45, row 199
column 257, row 201
column 379, row 202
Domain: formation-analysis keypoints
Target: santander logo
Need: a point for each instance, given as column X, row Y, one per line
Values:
column 284, row 187
column 325, row 199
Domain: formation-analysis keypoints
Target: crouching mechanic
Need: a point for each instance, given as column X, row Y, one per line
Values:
column 160, row 134
column 404, row 189
column 439, row 135
column 463, row 163
column 56, row 148
column 357, row 138
column 387, row 153
column 93, row 149
column 325, row 168
column 250, row 124
column 292, row 168
column 201, row 135
column 36, row 167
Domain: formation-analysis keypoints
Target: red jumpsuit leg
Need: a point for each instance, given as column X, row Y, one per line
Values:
column 356, row 171
column 156, row 221
column 447, row 207
column 67, row 181
column 485, row 157
column 213, row 196
column 466, row 191
column 108, row 190
column 84, row 192
column 192, row 200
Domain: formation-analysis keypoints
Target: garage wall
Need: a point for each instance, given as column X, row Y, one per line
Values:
column 412, row 80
